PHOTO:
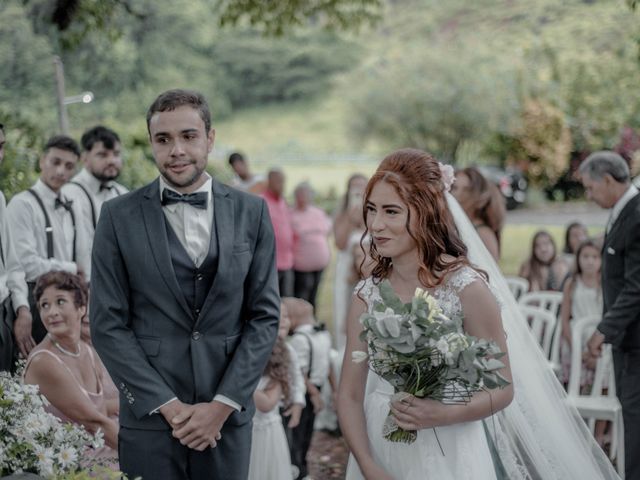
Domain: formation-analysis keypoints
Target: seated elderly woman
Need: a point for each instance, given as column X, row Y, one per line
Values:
column 68, row 370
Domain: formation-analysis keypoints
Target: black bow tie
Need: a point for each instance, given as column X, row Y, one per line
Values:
column 105, row 186
column 320, row 327
column 66, row 204
column 197, row 199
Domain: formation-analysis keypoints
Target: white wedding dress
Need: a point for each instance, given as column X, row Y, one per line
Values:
column 465, row 452
column 539, row 436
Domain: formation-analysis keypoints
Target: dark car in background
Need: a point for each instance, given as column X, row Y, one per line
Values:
column 510, row 181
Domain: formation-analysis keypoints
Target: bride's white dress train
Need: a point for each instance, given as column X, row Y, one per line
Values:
column 465, row 452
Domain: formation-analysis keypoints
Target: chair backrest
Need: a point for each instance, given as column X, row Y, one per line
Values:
column 517, row 285
column 547, row 300
column 581, row 330
column 542, row 324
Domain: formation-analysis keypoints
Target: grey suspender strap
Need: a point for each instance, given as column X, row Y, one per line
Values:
column 49, row 229
column 310, row 350
column 4, row 263
column 93, row 206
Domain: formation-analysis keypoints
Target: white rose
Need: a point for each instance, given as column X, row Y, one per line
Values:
column 443, row 346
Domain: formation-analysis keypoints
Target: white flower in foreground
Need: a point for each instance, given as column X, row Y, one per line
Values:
column 45, row 460
column 67, row 457
column 358, row 356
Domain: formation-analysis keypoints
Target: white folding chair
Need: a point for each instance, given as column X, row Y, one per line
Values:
column 596, row 405
column 542, row 324
column 517, row 285
column 549, row 301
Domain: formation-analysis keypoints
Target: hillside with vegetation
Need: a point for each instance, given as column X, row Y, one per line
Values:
column 533, row 83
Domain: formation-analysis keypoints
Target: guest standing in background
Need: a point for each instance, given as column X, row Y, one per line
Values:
column 44, row 223
column 15, row 316
column 484, row 205
column 311, row 227
column 544, row 269
column 245, row 180
column 282, row 228
column 95, row 183
column 606, row 179
column 348, row 227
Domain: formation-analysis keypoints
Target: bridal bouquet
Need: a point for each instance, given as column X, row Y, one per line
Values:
column 422, row 352
column 32, row 440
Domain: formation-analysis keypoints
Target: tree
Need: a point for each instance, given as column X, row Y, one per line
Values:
column 434, row 102
column 278, row 17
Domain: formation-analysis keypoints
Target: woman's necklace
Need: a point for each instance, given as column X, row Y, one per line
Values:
column 64, row 350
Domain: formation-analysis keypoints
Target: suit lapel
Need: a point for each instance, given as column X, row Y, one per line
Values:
column 223, row 213
column 624, row 213
column 155, row 226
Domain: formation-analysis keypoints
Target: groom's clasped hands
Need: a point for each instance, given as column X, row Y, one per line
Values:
column 196, row 426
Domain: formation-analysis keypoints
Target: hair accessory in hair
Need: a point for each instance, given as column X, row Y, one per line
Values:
column 448, row 175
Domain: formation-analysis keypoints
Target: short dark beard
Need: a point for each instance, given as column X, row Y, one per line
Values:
column 105, row 178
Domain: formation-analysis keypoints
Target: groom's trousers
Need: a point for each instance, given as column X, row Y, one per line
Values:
column 156, row 454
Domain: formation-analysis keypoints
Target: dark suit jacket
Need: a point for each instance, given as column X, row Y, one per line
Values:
column 621, row 279
column 149, row 340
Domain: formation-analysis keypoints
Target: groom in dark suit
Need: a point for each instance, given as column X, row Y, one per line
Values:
column 605, row 176
column 184, row 305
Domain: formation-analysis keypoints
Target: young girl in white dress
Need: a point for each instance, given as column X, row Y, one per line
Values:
column 581, row 297
column 270, row 458
column 415, row 244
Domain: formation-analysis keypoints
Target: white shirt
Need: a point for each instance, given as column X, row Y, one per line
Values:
column 298, row 388
column 27, row 225
column 193, row 227
column 321, row 344
column 81, row 203
column 246, row 185
column 631, row 192
column 11, row 275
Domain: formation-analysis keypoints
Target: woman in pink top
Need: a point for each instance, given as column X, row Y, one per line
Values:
column 68, row 370
column 311, row 228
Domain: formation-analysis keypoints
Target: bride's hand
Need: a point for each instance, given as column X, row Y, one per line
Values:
column 412, row 413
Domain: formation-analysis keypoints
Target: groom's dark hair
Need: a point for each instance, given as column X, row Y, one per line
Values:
column 172, row 99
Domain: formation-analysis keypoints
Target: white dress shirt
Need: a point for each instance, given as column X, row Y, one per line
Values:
column 297, row 386
column 321, row 344
column 631, row 192
column 81, row 204
column 27, row 225
column 193, row 227
column 11, row 275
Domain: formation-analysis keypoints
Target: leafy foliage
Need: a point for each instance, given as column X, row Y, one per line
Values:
column 253, row 71
column 276, row 18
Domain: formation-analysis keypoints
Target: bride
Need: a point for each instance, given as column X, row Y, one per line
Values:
column 421, row 238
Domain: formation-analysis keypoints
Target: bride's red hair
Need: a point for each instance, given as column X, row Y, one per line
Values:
column 416, row 177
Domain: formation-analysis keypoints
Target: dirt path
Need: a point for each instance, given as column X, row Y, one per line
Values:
column 327, row 457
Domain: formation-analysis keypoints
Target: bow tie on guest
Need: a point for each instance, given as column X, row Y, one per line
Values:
column 105, row 186
column 196, row 199
column 66, row 204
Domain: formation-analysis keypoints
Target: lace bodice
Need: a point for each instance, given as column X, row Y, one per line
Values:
column 447, row 294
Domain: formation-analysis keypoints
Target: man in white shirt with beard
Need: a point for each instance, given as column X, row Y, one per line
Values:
column 95, row 183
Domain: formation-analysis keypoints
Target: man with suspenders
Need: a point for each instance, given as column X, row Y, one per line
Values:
column 95, row 183
column 43, row 222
